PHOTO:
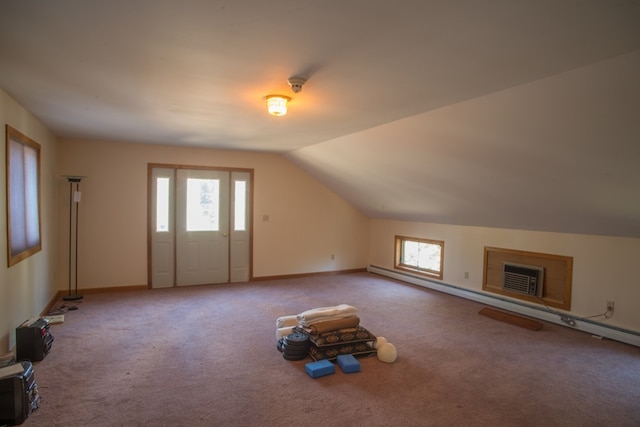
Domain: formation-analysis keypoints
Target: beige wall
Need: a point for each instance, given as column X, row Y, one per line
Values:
column 307, row 222
column 27, row 287
column 604, row 268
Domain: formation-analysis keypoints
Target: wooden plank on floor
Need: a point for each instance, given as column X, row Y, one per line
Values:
column 512, row 318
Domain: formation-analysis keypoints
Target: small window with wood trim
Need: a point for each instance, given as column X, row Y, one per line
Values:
column 420, row 256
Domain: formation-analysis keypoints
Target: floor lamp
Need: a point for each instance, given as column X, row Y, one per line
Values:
column 74, row 197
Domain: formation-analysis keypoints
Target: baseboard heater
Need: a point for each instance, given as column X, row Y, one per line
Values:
column 541, row 313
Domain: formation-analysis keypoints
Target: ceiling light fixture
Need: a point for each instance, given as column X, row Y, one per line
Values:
column 277, row 104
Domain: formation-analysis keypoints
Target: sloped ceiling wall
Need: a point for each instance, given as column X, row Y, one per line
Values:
column 558, row 154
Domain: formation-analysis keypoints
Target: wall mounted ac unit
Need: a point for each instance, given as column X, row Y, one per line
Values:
column 522, row 279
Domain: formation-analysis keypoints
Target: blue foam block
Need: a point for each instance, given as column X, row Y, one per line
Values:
column 348, row 363
column 319, row 368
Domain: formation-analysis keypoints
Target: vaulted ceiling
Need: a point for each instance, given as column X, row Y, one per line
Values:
column 499, row 113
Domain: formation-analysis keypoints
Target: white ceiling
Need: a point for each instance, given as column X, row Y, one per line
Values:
column 512, row 114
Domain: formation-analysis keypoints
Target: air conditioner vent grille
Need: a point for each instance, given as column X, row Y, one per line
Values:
column 516, row 282
column 522, row 279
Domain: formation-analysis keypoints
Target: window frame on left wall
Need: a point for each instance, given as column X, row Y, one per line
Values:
column 23, row 196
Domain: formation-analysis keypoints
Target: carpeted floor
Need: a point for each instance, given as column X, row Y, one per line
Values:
column 206, row 356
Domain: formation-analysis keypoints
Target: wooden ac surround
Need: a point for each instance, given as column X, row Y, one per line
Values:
column 558, row 271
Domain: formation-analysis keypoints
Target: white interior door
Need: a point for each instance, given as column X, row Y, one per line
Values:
column 202, row 227
column 200, row 222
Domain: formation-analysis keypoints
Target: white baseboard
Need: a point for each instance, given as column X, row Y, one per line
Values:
column 541, row 313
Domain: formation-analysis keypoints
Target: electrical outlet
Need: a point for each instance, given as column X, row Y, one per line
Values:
column 610, row 305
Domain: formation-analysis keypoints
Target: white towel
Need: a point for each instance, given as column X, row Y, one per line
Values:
column 307, row 323
column 327, row 313
column 283, row 332
column 291, row 320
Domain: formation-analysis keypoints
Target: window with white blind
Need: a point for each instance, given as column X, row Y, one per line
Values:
column 23, row 196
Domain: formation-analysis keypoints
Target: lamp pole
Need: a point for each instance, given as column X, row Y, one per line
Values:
column 73, row 198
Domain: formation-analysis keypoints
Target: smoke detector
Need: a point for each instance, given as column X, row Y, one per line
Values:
column 296, row 83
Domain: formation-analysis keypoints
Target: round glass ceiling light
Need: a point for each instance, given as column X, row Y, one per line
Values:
column 277, row 104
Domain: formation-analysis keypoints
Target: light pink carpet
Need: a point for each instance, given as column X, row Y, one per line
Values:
column 206, row 356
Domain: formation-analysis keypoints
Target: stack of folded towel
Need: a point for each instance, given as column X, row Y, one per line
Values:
column 332, row 331
column 323, row 319
column 318, row 320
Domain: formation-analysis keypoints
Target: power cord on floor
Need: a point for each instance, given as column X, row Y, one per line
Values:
column 571, row 320
column 62, row 309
